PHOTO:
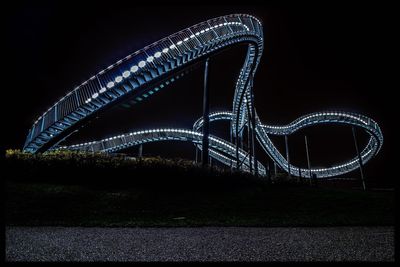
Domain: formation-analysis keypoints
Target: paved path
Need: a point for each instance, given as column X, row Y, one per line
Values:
column 199, row 244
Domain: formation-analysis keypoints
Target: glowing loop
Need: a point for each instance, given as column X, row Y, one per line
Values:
column 72, row 110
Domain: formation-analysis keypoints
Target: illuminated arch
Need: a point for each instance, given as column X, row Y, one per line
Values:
column 143, row 73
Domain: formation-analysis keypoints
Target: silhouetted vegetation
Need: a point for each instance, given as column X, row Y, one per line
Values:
column 118, row 170
column 95, row 189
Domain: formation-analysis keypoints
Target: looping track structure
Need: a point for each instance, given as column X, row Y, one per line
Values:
column 143, row 73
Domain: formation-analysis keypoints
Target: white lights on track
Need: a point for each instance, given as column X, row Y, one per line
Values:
column 110, row 85
column 151, row 58
column 142, row 64
column 219, row 31
column 134, row 69
column 126, row 74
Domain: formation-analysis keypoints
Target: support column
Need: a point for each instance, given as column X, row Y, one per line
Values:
column 359, row 158
column 206, row 119
column 299, row 179
column 287, row 154
column 237, row 151
column 197, row 150
column 308, row 158
column 230, row 132
column 249, row 145
column 140, row 152
column 253, row 128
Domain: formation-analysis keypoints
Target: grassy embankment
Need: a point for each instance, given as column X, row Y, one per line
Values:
column 78, row 189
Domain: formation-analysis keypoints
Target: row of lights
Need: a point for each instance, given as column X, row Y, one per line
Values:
column 317, row 115
column 213, row 153
column 329, row 113
column 157, row 54
column 355, row 161
column 327, row 169
column 156, row 131
column 226, row 144
column 141, row 64
column 139, row 133
column 215, row 116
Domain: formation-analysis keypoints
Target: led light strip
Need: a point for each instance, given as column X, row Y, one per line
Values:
column 234, row 28
column 160, row 60
column 153, row 135
column 262, row 131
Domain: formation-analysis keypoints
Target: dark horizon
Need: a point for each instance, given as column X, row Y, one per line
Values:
column 315, row 59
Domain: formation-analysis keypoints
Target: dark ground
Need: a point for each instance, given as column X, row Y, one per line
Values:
column 69, row 189
column 212, row 204
column 85, row 207
column 369, row 244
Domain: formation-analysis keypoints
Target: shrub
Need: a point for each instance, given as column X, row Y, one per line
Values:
column 66, row 166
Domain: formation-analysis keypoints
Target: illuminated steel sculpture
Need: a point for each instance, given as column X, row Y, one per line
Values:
column 141, row 74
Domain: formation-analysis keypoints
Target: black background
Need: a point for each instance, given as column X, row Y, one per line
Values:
column 316, row 57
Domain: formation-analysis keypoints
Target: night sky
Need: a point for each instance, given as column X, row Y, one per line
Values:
column 315, row 58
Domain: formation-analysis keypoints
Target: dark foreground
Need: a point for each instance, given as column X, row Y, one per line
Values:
column 209, row 204
column 199, row 244
column 86, row 189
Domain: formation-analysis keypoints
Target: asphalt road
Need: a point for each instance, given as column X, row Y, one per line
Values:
column 200, row 244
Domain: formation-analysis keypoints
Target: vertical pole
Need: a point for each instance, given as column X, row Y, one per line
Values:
column 140, row 150
column 287, row 154
column 249, row 148
column 359, row 158
column 299, row 180
column 230, row 132
column 275, row 171
column 206, row 119
column 196, row 153
column 253, row 127
column 237, row 150
column 308, row 157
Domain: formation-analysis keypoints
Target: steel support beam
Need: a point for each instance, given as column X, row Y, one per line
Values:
column 308, row 158
column 287, row 154
column 197, row 152
column 140, row 152
column 206, row 118
column 231, row 139
column 359, row 158
column 249, row 139
column 253, row 129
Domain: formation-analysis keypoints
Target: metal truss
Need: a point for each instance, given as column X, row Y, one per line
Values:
column 143, row 73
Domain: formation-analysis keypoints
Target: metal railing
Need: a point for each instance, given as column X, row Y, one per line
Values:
column 143, row 73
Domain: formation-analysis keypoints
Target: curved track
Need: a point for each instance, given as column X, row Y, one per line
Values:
column 220, row 149
column 143, row 73
column 329, row 117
